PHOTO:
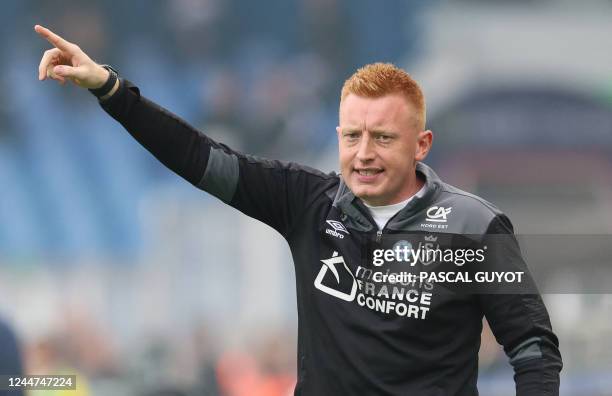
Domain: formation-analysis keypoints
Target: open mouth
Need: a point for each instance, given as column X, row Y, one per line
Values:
column 368, row 174
column 368, row 171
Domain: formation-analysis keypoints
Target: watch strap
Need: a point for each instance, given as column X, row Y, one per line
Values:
column 108, row 85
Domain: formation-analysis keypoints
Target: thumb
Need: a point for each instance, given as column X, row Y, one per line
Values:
column 66, row 71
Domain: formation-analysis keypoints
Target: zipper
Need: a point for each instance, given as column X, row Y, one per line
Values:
column 379, row 233
column 368, row 216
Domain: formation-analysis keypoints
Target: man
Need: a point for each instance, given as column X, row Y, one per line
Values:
column 365, row 326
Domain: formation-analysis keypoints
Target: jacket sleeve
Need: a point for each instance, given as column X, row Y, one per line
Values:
column 273, row 192
column 519, row 319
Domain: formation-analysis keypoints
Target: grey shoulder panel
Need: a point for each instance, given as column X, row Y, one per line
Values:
column 526, row 350
column 221, row 176
column 469, row 213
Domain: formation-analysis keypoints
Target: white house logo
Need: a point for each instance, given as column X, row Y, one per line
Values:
column 338, row 229
column 342, row 275
column 438, row 214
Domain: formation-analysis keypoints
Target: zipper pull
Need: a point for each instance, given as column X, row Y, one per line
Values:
column 378, row 236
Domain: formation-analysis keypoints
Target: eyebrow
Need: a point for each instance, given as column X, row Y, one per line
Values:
column 351, row 130
column 379, row 131
column 375, row 131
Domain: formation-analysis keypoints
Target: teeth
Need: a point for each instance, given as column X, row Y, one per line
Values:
column 367, row 172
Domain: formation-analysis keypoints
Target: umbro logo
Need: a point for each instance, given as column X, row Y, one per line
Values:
column 338, row 229
column 337, row 226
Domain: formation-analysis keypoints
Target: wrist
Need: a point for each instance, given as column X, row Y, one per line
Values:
column 110, row 78
column 103, row 76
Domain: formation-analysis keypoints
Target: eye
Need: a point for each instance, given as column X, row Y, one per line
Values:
column 384, row 138
column 351, row 136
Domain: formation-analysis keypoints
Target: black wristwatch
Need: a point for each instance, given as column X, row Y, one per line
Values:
column 108, row 85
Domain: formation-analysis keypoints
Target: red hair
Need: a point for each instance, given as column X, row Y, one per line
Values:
column 380, row 79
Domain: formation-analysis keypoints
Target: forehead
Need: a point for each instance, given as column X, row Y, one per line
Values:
column 388, row 110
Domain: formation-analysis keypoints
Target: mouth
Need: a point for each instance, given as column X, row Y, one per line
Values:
column 368, row 174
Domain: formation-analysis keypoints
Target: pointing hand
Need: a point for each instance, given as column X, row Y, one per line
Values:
column 66, row 61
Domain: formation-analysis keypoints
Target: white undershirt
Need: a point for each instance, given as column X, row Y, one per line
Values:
column 382, row 214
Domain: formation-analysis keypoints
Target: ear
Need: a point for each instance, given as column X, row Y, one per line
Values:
column 424, row 141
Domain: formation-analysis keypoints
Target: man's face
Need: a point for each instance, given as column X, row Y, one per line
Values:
column 379, row 144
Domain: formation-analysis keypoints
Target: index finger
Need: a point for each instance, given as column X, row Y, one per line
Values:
column 53, row 38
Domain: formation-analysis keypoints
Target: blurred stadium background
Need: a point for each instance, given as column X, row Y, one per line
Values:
column 115, row 269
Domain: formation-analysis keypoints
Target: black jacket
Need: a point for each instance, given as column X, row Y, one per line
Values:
column 359, row 334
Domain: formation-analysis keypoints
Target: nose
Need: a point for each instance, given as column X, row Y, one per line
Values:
column 366, row 151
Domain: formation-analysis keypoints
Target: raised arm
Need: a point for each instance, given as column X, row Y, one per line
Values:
column 273, row 192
